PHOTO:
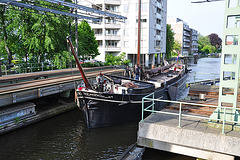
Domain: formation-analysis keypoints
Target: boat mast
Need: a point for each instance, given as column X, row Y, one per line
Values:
column 87, row 84
column 139, row 32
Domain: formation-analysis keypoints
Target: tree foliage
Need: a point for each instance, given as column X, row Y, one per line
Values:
column 116, row 60
column 33, row 35
column 215, row 40
column 170, row 41
column 87, row 43
column 208, row 49
column 176, row 48
column 203, row 41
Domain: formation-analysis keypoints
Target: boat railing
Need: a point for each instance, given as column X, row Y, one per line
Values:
column 224, row 112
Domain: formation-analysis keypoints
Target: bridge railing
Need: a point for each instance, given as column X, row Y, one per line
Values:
column 199, row 77
column 222, row 110
column 32, row 67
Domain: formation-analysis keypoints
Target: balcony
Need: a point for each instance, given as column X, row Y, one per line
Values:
column 194, row 44
column 113, row 2
column 113, row 37
column 159, row 5
column 159, row 26
column 186, row 40
column 99, row 36
column 186, row 46
column 194, row 39
column 187, row 29
column 96, row 25
column 113, row 48
column 186, row 34
column 113, row 25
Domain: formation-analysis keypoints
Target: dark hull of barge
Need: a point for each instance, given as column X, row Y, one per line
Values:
column 106, row 109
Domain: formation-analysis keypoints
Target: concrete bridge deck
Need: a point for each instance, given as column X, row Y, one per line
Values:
column 195, row 138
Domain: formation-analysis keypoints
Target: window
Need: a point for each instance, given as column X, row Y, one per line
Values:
column 158, row 21
column 142, row 20
column 232, row 3
column 158, row 10
column 230, row 58
column 231, row 40
column 233, row 22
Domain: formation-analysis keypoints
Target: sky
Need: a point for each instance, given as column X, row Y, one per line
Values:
column 206, row 18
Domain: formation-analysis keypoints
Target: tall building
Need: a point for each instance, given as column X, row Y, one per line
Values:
column 184, row 35
column 116, row 37
column 193, row 42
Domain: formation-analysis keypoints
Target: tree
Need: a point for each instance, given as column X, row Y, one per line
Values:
column 203, row 41
column 176, row 48
column 215, row 40
column 28, row 34
column 208, row 49
column 87, row 43
column 170, row 41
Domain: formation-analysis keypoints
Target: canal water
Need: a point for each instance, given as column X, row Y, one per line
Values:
column 67, row 137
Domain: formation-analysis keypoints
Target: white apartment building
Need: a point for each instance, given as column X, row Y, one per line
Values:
column 116, row 37
column 187, row 37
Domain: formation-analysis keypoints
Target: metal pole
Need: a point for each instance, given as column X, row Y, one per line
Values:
column 224, row 117
column 142, row 108
column 76, row 32
column 139, row 32
column 153, row 103
column 180, row 115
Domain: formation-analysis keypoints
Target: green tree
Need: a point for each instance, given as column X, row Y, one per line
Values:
column 203, row 41
column 208, row 49
column 170, row 41
column 7, row 36
column 87, row 43
column 176, row 48
column 28, row 34
column 116, row 60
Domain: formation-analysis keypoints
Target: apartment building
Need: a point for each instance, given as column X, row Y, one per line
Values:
column 117, row 37
column 193, row 42
column 186, row 36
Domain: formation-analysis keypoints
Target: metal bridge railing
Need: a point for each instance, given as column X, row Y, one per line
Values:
column 32, row 67
column 150, row 108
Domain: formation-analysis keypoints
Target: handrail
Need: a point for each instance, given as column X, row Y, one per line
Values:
column 150, row 108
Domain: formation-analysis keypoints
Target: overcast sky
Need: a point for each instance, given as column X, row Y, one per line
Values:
column 206, row 18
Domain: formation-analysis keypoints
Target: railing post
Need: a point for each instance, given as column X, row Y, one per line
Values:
column 153, row 103
column 31, row 67
column 142, row 107
column 194, row 77
column 180, row 115
column 224, row 117
column 214, row 80
column 42, row 66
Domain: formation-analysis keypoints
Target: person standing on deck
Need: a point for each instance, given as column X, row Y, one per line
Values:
column 127, row 72
column 136, row 71
column 141, row 72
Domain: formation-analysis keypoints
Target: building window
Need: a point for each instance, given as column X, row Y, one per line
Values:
column 158, row 21
column 159, row 10
column 142, row 20
column 158, row 32
column 232, row 3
